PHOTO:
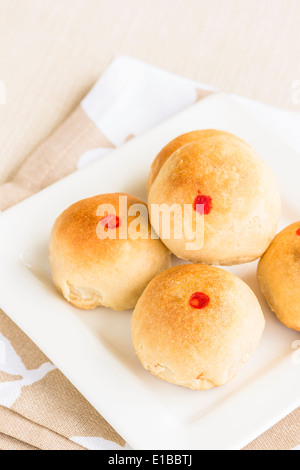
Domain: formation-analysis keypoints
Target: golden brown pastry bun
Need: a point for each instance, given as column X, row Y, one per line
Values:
column 178, row 142
column 239, row 196
column 91, row 271
column 196, row 326
column 279, row 276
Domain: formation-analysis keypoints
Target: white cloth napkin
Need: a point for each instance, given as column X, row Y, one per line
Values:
column 131, row 97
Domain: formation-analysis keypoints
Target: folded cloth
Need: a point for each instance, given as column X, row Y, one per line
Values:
column 39, row 408
column 9, row 443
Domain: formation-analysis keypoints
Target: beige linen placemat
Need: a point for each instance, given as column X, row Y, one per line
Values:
column 39, row 407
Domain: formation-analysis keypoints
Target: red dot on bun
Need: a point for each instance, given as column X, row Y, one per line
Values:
column 110, row 221
column 204, row 204
column 199, row 300
column 298, row 232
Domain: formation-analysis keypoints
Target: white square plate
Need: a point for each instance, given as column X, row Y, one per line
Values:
column 93, row 349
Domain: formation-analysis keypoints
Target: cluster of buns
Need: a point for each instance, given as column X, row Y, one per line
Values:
column 193, row 325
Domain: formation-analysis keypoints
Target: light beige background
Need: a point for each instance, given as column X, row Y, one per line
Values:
column 52, row 51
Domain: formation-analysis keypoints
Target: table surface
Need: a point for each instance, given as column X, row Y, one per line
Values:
column 52, row 51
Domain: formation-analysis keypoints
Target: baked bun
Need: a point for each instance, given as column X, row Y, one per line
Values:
column 196, row 326
column 90, row 270
column 178, row 142
column 279, row 276
column 228, row 187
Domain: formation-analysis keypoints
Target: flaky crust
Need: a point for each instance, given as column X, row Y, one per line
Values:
column 278, row 275
column 245, row 198
column 196, row 348
column 89, row 271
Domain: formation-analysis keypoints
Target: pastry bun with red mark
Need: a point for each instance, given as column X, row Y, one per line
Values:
column 90, row 271
column 230, row 188
column 196, row 326
column 279, row 276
